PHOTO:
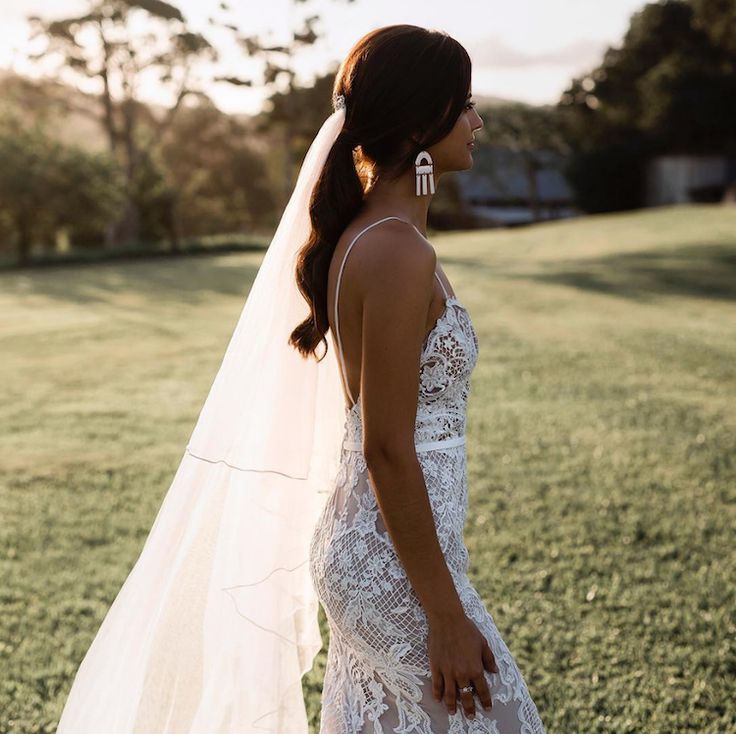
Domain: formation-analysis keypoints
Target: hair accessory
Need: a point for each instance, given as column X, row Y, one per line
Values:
column 424, row 170
column 338, row 102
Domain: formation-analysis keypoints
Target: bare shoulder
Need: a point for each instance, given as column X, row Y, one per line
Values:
column 394, row 260
column 398, row 290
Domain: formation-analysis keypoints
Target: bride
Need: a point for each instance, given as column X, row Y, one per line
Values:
column 287, row 497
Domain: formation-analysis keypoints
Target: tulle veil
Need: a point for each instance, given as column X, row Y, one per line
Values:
column 217, row 621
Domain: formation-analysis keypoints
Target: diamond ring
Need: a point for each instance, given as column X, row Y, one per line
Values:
column 466, row 689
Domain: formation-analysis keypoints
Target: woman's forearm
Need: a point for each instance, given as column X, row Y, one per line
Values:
column 404, row 504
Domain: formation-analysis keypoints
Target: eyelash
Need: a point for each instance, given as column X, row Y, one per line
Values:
column 469, row 105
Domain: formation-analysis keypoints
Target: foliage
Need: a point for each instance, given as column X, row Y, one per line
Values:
column 717, row 19
column 221, row 181
column 668, row 80
column 207, row 175
column 46, row 186
column 670, row 87
column 105, row 44
column 609, row 176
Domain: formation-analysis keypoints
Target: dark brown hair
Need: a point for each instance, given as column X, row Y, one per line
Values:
column 404, row 88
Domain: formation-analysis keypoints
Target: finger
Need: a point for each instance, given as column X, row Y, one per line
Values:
column 437, row 684
column 450, row 695
column 489, row 661
column 467, row 700
column 482, row 691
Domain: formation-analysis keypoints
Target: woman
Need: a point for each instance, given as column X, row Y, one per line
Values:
column 217, row 621
column 412, row 648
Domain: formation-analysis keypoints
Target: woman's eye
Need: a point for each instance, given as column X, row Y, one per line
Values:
column 469, row 105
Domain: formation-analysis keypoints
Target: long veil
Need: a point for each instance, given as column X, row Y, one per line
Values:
column 217, row 621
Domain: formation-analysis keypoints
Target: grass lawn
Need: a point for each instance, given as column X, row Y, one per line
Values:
column 601, row 445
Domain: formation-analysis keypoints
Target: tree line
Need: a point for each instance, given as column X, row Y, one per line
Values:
column 188, row 170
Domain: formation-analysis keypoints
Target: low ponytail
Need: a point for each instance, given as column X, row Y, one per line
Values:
column 336, row 199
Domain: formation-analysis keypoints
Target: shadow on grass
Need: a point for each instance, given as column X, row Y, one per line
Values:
column 189, row 279
column 694, row 270
column 703, row 270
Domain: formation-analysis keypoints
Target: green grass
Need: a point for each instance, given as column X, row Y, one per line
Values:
column 601, row 433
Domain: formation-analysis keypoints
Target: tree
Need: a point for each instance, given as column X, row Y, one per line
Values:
column 670, row 87
column 717, row 19
column 670, row 81
column 106, row 46
column 221, row 181
column 102, row 45
column 46, row 186
column 282, row 120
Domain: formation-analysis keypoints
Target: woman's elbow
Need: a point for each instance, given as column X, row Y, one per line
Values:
column 393, row 451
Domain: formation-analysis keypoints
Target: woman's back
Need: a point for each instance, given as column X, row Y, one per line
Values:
column 363, row 251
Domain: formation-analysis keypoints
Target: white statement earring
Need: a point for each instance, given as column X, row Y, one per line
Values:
column 424, row 170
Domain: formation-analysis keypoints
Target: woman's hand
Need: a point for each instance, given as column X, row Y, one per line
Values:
column 458, row 655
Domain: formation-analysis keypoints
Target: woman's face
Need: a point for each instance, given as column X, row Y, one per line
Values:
column 454, row 152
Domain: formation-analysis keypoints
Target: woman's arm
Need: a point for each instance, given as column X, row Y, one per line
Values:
column 398, row 286
column 397, row 295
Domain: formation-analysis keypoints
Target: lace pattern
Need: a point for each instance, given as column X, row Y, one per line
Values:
column 449, row 355
column 378, row 677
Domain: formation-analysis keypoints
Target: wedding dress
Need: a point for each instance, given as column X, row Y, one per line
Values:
column 378, row 679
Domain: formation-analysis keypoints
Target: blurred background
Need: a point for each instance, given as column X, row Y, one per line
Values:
column 147, row 149
column 154, row 125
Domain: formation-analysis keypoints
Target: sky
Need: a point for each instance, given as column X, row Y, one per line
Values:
column 525, row 50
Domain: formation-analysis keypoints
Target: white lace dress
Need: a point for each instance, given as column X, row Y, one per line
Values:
column 378, row 678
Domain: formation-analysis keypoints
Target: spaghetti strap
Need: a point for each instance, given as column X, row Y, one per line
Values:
column 343, row 371
column 442, row 284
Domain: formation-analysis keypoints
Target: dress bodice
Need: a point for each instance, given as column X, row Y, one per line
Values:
column 449, row 355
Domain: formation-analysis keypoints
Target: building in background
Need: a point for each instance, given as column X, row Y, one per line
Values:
column 684, row 179
column 507, row 188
